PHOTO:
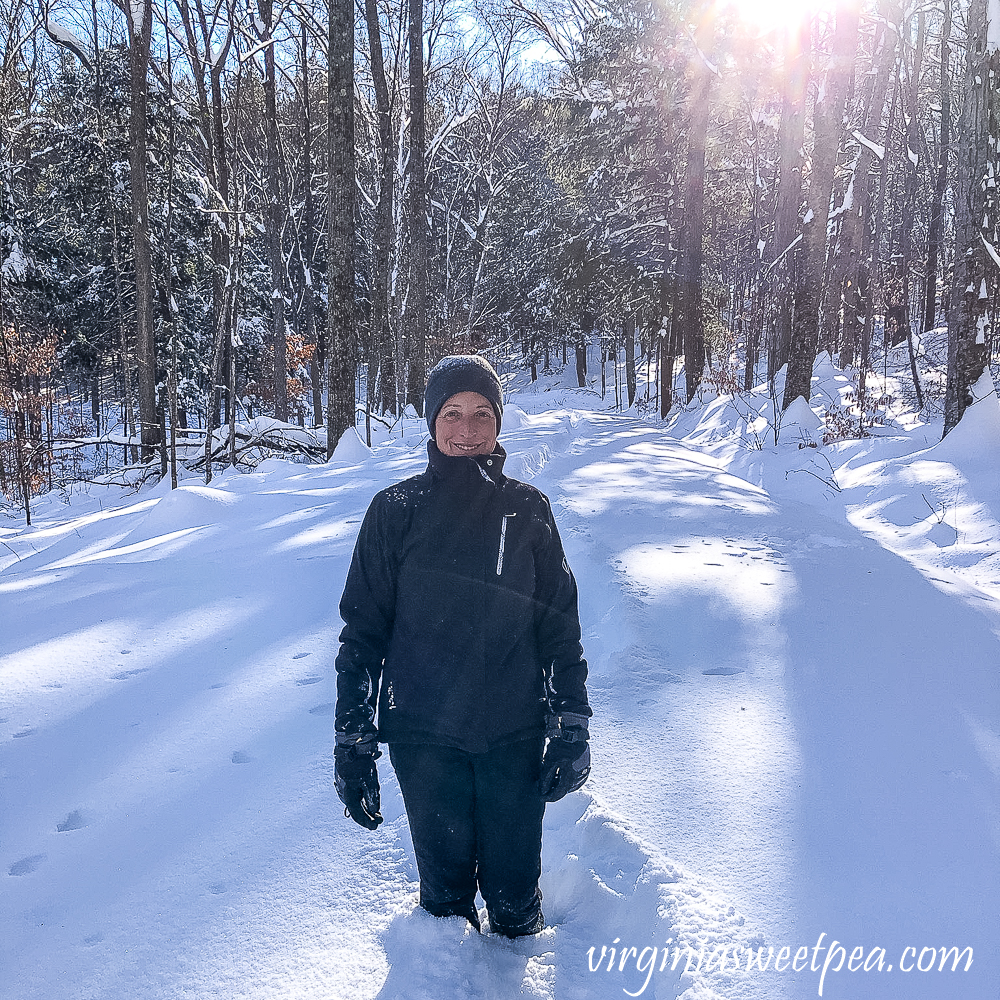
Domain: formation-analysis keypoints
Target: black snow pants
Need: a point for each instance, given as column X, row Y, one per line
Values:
column 476, row 823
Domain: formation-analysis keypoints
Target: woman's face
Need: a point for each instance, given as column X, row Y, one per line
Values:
column 466, row 425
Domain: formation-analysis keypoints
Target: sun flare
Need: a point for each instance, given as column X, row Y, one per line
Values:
column 771, row 15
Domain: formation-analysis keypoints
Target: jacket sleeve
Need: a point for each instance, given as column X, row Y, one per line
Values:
column 558, row 626
column 368, row 610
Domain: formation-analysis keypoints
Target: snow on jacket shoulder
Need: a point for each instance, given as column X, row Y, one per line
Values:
column 460, row 612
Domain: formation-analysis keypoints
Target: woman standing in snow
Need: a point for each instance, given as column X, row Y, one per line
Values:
column 462, row 636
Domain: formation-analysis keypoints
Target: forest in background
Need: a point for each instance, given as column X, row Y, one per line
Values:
column 213, row 212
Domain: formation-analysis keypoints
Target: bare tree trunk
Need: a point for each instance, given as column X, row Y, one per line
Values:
column 935, row 233
column 859, row 224
column 309, row 303
column 690, row 314
column 630, row 358
column 967, row 341
column 580, row 348
column 417, row 340
column 753, row 323
column 341, row 317
column 828, row 125
column 168, row 280
column 139, row 16
column 786, row 230
column 274, row 214
column 382, row 355
column 112, row 215
column 95, row 395
column 666, row 346
column 912, row 180
column 873, row 252
column 12, row 379
column 225, row 277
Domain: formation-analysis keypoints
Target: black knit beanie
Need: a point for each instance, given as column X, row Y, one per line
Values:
column 461, row 373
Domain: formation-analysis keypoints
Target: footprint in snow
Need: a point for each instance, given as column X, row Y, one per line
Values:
column 645, row 665
column 26, row 865
column 124, row 675
column 723, row 671
column 327, row 708
column 241, row 757
column 299, row 656
column 306, row 681
column 942, row 535
column 23, row 733
column 74, row 821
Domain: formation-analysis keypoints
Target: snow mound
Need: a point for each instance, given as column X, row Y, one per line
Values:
column 176, row 520
column 259, row 426
column 800, row 424
column 514, row 418
column 976, row 438
column 351, row 450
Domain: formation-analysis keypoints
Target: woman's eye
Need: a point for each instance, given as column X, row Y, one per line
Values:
column 480, row 417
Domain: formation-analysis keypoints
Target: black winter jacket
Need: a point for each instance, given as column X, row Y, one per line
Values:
column 460, row 611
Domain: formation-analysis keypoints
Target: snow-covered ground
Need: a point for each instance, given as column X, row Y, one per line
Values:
column 795, row 673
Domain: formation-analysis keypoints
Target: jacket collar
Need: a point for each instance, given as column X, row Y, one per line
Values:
column 480, row 467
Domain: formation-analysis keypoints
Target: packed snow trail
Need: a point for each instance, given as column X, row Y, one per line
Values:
column 795, row 735
column 791, row 711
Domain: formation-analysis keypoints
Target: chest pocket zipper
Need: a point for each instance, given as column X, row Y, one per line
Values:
column 503, row 541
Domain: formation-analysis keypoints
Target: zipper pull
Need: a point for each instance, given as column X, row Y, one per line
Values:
column 503, row 540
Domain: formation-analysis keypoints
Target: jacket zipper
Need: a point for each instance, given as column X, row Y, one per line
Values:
column 503, row 540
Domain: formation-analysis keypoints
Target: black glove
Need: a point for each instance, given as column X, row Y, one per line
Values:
column 356, row 778
column 566, row 762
